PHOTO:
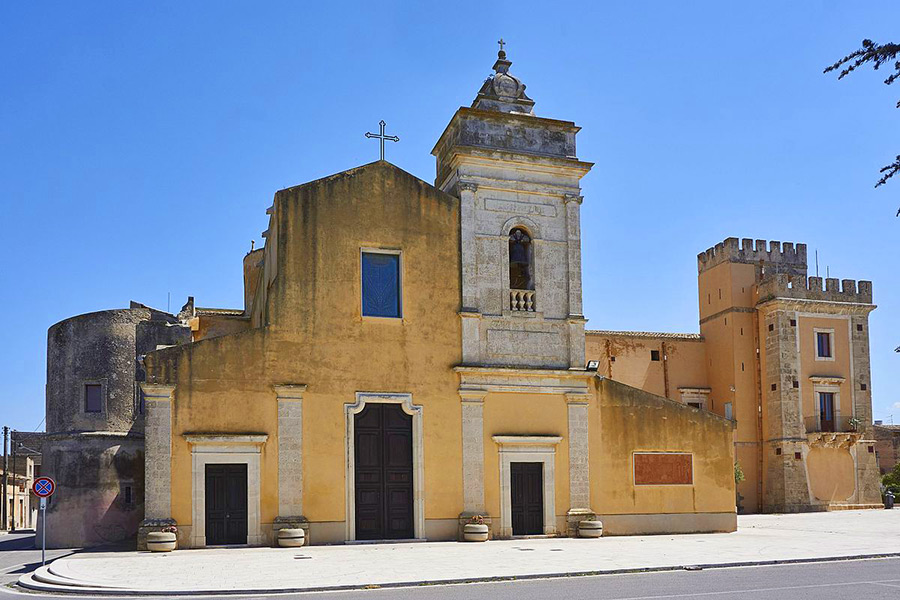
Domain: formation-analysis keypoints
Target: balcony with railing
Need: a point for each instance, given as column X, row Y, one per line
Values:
column 838, row 431
column 521, row 300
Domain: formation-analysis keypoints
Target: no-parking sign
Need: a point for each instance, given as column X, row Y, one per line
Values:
column 43, row 487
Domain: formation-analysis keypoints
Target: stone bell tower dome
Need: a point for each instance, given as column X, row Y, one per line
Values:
column 518, row 180
column 503, row 91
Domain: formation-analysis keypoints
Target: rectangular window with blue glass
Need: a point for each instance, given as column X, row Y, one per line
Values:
column 381, row 285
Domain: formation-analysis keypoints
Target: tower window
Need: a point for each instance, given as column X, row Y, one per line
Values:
column 654, row 355
column 771, row 326
column 793, row 322
column 824, row 344
column 93, row 397
column 859, row 327
column 521, row 273
column 381, row 284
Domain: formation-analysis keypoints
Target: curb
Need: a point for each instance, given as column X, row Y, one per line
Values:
column 464, row 580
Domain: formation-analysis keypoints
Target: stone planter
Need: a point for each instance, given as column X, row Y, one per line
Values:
column 291, row 538
column 590, row 529
column 161, row 541
column 473, row 532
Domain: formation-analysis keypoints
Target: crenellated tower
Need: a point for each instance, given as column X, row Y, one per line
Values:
column 789, row 360
column 518, row 180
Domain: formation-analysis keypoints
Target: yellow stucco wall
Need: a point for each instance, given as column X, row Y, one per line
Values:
column 727, row 301
column 832, row 474
column 317, row 336
column 625, row 420
column 681, row 364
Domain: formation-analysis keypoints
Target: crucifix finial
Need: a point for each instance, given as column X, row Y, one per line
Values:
column 382, row 137
column 502, row 53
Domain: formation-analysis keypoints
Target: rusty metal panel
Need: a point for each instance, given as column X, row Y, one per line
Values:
column 663, row 468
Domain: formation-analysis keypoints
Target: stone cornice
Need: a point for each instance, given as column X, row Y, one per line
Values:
column 527, row 440
column 524, row 372
column 221, row 439
column 290, row 391
column 827, row 379
column 816, row 306
column 157, row 391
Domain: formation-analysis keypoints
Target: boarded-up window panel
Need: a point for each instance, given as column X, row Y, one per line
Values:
column 663, row 469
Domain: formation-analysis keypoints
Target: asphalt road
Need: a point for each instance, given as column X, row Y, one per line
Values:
column 863, row 579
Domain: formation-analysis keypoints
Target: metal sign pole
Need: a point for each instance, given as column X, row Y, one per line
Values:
column 43, row 531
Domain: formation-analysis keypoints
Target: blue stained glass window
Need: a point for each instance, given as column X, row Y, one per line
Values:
column 380, row 285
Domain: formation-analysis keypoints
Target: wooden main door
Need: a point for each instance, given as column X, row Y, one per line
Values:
column 383, row 472
column 527, row 488
column 226, row 504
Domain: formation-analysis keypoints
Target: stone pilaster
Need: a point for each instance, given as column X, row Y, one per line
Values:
column 290, row 451
column 473, row 450
column 862, row 376
column 158, row 450
column 467, row 242
column 868, row 476
column 787, row 489
column 579, row 463
column 579, row 452
column 157, row 459
column 573, row 235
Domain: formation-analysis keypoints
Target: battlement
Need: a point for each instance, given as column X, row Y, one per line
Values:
column 785, row 257
column 783, row 285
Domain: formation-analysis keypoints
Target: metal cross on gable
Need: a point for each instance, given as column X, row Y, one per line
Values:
column 382, row 137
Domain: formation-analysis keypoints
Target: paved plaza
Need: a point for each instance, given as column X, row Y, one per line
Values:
column 760, row 539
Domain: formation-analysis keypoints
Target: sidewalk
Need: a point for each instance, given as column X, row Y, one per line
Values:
column 760, row 539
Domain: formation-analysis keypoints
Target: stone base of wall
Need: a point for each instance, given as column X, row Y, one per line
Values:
column 832, row 507
column 151, row 525
column 297, row 522
column 665, row 523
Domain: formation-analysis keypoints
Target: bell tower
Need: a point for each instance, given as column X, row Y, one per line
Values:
column 518, row 180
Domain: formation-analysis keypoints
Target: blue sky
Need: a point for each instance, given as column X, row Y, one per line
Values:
column 140, row 143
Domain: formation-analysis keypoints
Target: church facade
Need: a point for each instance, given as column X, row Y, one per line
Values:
column 411, row 356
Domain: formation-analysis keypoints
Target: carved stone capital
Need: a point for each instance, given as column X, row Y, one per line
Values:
column 573, row 198
column 472, row 395
column 289, row 391
column 467, row 186
column 157, row 391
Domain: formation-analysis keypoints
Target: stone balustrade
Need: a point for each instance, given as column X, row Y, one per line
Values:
column 521, row 300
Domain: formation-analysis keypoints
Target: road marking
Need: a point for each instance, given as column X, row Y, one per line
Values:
column 755, row 590
column 885, row 584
